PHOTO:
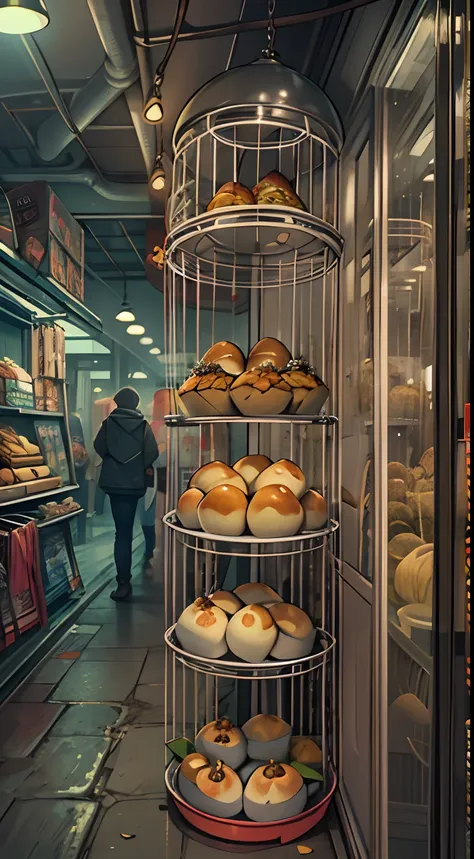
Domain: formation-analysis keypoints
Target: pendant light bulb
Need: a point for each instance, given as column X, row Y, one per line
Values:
column 153, row 107
column 146, row 341
column 19, row 17
column 158, row 176
column 135, row 330
column 125, row 313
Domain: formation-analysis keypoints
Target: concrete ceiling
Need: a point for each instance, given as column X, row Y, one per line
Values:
column 333, row 51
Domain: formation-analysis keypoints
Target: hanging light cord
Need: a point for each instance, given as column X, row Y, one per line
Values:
column 271, row 30
column 179, row 21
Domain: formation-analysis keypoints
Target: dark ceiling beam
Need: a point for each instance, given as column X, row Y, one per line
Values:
column 189, row 33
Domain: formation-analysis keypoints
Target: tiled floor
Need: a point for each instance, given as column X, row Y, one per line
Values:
column 81, row 746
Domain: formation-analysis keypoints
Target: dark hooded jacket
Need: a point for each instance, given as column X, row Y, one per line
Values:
column 127, row 446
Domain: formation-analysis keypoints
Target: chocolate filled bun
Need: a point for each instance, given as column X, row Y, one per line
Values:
column 231, row 194
column 275, row 190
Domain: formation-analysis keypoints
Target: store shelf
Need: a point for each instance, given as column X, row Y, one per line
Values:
column 241, row 829
column 26, row 499
column 52, row 520
column 183, row 421
column 419, row 656
column 270, row 669
column 221, row 247
column 306, row 541
column 13, row 410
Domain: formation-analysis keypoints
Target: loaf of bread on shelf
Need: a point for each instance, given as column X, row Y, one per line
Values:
column 275, row 190
column 405, row 401
column 414, row 575
column 231, row 194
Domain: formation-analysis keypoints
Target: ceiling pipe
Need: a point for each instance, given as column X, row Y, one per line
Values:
column 122, row 192
column 116, row 75
column 188, row 33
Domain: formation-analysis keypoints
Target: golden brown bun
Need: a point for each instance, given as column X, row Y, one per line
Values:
column 262, row 789
column 227, row 790
column 264, row 728
column 231, row 194
column 7, row 478
column 291, row 620
column 268, row 349
column 227, row 355
column 396, row 470
column 275, row 189
column 427, row 462
column 399, row 511
column 258, row 593
column 397, row 489
column 305, row 751
column 192, row 764
column 227, row 601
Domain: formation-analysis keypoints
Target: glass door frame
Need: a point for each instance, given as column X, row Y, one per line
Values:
column 450, row 386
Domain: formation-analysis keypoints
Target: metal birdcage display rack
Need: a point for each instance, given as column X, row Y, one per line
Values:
column 240, row 273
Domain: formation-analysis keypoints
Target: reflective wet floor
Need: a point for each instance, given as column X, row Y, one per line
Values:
column 81, row 746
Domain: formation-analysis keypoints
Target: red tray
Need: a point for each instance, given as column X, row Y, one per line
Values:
column 247, row 831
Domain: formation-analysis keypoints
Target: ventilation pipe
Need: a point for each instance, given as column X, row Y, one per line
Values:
column 118, row 73
column 122, row 192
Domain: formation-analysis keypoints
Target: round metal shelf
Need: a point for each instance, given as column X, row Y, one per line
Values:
column 240, row 829
column 306, row 541
column 253, row 246
column 232, row 667
column 183, row 421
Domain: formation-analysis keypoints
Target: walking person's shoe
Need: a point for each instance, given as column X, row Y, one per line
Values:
column 122, row 592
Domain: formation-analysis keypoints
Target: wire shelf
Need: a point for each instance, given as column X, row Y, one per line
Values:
column 254, row 246
column 306, row 541
column 183, row 421
column 270, row 669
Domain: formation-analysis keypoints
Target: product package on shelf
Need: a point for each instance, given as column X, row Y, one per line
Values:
column 49, row 366
column 16, row 386
column 22, row 599
column 23, row 467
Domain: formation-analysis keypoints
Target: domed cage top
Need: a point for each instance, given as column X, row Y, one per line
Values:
column 256, row 121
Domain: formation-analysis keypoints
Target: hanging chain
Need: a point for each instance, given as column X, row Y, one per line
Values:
column 271, row 30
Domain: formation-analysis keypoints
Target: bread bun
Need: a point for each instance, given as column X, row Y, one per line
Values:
column 231, row 194
column 249, row 467
column 260, row 392
column 399, row 547
column 296, row 633
column 309, row 391
column 257, row 593
column 267, row 737
column 227, row 355
column 397, row 489
column 186, row 509
column 414, row 575
column 207, row 392
column 219, row 740
column 284, row 472
column 274, row 511
column 399, row 527
column 396, row 470
column 251, row 633
column 399, row 511
column 427, row 462
column 191, row 765
column 220, row 791
column 214, row 474
column 268, row 351
column 315, row 511
column 201, row 629
column 226, row 600
column 275, row 190
column 274, row 792
column 404, row 402
column 304, row 750
column 224, row 511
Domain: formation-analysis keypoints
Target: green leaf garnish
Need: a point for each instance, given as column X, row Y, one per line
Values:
column 181, row 747
column 307, row 772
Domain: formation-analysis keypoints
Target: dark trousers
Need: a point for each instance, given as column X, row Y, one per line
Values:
column 124, row 508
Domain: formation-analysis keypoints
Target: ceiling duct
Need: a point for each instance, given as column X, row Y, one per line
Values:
column 116, row 75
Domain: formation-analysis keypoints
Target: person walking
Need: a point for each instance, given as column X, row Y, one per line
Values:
column 127, row 447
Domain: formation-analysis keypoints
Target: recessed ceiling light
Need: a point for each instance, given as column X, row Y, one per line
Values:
column 146, row 341
column 135, row 330
column 97, row 390
column 155, row 351
column 18, row 17
column 139, row 375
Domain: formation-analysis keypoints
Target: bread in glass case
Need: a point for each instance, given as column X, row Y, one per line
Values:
column 405, row 402
column 414, row 575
